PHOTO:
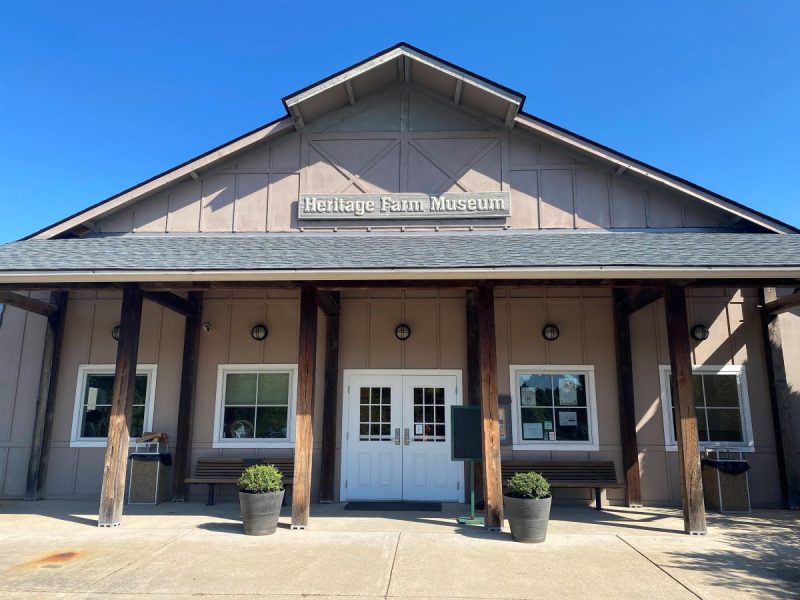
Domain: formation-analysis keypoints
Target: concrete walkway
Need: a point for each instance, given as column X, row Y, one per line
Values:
column 53, row 549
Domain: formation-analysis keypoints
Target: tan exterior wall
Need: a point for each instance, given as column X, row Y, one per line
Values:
column 416, row 145
column 437, row 319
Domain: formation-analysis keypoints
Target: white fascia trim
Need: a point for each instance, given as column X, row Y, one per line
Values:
column 392, row 55
column 156, row 185
column 639, row 169
column 102, row 276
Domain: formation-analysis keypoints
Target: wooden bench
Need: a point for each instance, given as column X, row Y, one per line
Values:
column 567, row 474
column 216, row 471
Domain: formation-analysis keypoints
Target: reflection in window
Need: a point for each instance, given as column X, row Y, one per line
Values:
column 553, row 407
column 256, row 405
column 718, row 407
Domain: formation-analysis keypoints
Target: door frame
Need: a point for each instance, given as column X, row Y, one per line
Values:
column 346, row 376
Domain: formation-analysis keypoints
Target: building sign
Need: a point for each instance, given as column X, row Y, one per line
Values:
column 462, row 205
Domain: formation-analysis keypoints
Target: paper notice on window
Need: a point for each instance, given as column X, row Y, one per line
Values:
column 532, row 431
column 418, row 429
column 548, row 425
column 527, row 397
column 551, row 436
column 567, row 392
column 568, row 418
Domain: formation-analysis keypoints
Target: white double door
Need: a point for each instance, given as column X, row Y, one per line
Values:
column 397, row 437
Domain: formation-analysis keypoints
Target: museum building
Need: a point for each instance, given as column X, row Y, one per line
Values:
column 321, row 291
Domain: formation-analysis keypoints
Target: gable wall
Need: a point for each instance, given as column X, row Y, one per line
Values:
column 409, row 140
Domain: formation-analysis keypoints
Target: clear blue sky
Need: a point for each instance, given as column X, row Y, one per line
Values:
column 95, row 97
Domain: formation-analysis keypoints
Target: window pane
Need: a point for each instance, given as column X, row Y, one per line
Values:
column 95, row 421
column 271, row 422
column 386, row 395
column 702, row 427
column 240, row 388
column 724, row 425
column 572, row 424
column 239, row 422
column 536, row 390
column 273, row 389
column 99, row 389
column 140, row 390
column 137, row 421
column 569, row 390
column 721, row 390
column 375, row 396
column 699, row 397
column 537, row 423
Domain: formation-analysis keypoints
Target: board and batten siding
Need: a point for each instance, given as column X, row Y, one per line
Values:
column 426, row 147
column 367, row 341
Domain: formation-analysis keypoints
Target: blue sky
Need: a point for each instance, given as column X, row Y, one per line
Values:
column 96, row 97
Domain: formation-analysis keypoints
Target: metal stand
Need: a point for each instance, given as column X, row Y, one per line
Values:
column 471, row 519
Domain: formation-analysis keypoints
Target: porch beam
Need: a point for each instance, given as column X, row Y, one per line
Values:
column 171, row 301
column 490, row 433
column 777, row 305
column 329, row 303
column 27, row 303
column 781, row 399
column 680, row 355
column 46, row 397
column 115, row 465
column 183, row 438
column 627, row 407
column 637, row 299
column 304, row 418
column 330, row 403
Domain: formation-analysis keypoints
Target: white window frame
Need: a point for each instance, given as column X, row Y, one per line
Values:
column 76, row 441
column 222, row 442
column 744, row 406
column 591, row 406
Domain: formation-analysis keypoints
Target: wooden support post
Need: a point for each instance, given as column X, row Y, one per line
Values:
column 473, row 395
column 330, row 405
column 781, row 398
column 183, row 438
column 627, row 412
column 46, row 398
column 115, row 466
column 493, row 485
column 304, row 417
column 694, row 511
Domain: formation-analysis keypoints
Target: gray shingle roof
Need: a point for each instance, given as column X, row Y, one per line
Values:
column 365, row 251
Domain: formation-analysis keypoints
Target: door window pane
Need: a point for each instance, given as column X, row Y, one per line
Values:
column 429, row 414
column 375, row 414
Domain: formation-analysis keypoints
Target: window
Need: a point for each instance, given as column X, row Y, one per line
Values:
column 554, row 407
column 721, row 406
column 255, row 406
column 93, row 404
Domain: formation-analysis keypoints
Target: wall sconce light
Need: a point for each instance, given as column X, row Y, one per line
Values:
column 550, row 332
column 259, row 332
column 402, row 332
column 115, row 332
column 700, row 332
column 206, row 327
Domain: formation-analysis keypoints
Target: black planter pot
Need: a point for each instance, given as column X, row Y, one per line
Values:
column 260, row 512
column 528, row 518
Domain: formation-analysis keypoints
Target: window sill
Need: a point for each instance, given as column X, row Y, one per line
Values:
column 94, row 444
column 555, row 447
column 252, row 444
column 736, row 448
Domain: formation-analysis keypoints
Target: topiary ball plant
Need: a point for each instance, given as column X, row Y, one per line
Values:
column 528, row 485
column 261, row 479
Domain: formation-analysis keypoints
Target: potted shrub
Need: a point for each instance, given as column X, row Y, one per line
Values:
column 527, row 507
column 260, row 498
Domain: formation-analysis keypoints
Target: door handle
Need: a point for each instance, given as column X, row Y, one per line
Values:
column 406, row 437
column 397, row 436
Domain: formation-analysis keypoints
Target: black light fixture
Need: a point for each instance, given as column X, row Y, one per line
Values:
column 550, row 332
column 259, row 332
column 402, row 332
column 700, row 332
column 115, row 332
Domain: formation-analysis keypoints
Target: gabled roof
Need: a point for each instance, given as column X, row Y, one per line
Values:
column 444, row 255
column 404, row 62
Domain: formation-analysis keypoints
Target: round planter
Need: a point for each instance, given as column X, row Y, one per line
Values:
column 260, row 512
column 528, row 518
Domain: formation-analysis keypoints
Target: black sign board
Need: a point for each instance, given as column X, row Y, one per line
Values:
column 465, row 433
